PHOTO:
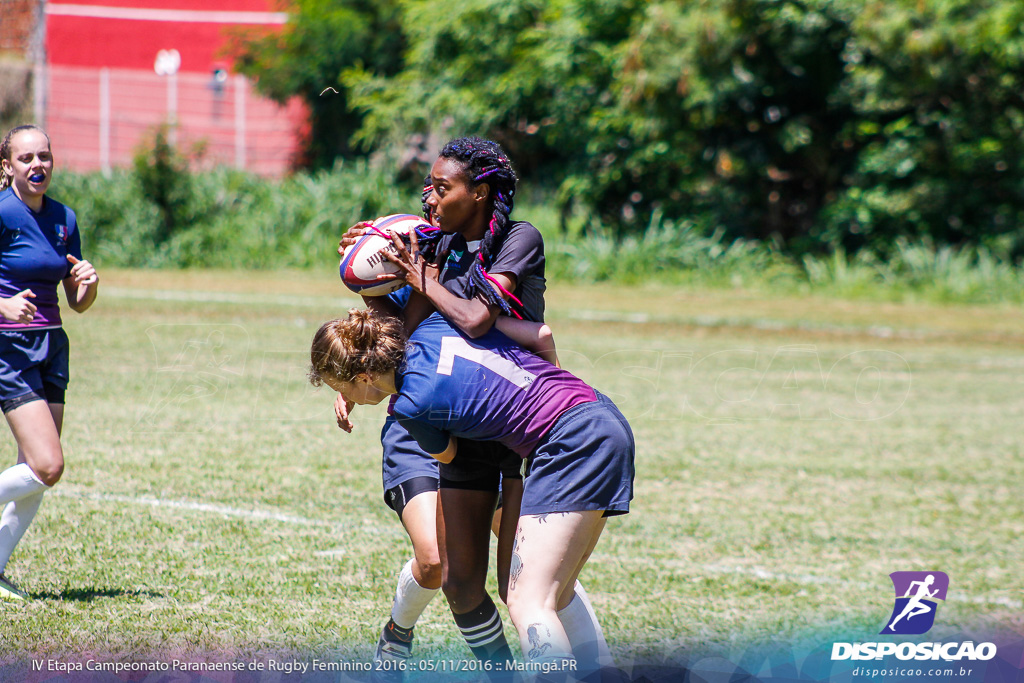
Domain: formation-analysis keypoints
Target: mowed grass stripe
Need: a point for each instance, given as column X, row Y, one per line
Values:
column 195, row 506
column 345, row 299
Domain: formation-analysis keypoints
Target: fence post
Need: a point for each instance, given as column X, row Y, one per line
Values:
column 240, row 159
column 172, row 109
column 105, row 121
column 37, row 50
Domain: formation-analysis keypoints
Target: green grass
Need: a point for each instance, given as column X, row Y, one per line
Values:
column 792, row 452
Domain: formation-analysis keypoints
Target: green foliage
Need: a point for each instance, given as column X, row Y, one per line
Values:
column 526, row 73
column 119, row 225
column 164, row 179
column 323, row 38
column 936, row 127
column 666, row 251
column 236, row 220
column 812, row 124
column 918, row 270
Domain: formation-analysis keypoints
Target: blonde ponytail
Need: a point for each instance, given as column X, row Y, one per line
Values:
column 365, row 342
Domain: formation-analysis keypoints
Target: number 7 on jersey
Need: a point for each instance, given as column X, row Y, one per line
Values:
column 452, row 347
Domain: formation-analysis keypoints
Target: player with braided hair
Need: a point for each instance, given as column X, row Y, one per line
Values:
column 483, row 265
column 485, row 162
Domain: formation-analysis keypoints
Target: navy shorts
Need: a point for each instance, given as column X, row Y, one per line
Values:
column 480, row 466
column 33, row 364
column 584, row 463
column 398, row 497
column 475, row 467
column 403, row 458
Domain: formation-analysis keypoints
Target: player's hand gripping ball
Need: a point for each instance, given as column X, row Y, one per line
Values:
column 363, row 262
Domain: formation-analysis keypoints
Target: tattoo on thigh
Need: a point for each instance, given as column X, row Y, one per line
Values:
column 543, row 517
column 515, row 566
column 539, row 636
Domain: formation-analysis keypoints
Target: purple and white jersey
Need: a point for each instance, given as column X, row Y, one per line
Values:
column 485, row 389
column 33, row 255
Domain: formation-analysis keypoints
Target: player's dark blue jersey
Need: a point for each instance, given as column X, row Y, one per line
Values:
column 33, row 254
column 484, row 389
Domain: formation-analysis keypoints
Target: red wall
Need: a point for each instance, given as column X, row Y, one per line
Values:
column 131, row 44
column 79, row 47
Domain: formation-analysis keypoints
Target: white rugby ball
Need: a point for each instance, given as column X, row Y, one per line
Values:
column 365, row 260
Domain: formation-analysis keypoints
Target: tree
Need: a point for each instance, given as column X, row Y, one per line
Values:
column 812, row 124
column 322, row 39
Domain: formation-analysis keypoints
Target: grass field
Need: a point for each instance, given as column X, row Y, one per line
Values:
column 791, row 454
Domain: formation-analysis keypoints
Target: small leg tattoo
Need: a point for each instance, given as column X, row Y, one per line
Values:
column 538, row 643
column 515, row 565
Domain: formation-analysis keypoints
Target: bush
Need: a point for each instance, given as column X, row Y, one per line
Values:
column 231, row 219
column 237, row 220
column 668, row 251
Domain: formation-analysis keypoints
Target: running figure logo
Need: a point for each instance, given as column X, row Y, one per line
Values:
column 916, row 596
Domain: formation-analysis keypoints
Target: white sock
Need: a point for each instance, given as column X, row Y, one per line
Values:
column 410, row 598
column 584, row 632
column 16, row 517
column 17, row 482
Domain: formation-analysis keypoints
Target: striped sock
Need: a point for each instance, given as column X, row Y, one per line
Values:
column 485, row 635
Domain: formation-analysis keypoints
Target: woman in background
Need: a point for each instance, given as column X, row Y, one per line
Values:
column 40, row 247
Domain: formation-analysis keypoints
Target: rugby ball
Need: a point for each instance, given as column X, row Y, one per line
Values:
column 365, row 260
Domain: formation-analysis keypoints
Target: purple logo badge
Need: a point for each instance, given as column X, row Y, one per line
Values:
column 917, row 594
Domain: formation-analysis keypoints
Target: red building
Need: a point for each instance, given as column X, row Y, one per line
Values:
column 117, row 69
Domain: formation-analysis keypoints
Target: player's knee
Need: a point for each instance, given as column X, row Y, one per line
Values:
column 49, row 468
column 462, row 595
column 429, row 571
column 520, row 607
column 524, row 605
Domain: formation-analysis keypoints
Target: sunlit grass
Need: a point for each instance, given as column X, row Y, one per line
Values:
column 792, row 452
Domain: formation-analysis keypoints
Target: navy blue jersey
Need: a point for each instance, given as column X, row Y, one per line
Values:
column 484, row 389
column 33, row 254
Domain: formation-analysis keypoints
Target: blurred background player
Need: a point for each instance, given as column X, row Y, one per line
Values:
column 40, row 247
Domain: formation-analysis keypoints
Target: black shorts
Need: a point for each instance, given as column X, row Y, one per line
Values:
column 480, row 466
column 397, row 497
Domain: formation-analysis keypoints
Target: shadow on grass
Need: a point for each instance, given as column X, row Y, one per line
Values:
column 90, row 594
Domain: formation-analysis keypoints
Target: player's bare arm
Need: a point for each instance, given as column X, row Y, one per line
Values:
column 536, row 337
column 472, row 316
column 81, row 285
column 448, row 454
